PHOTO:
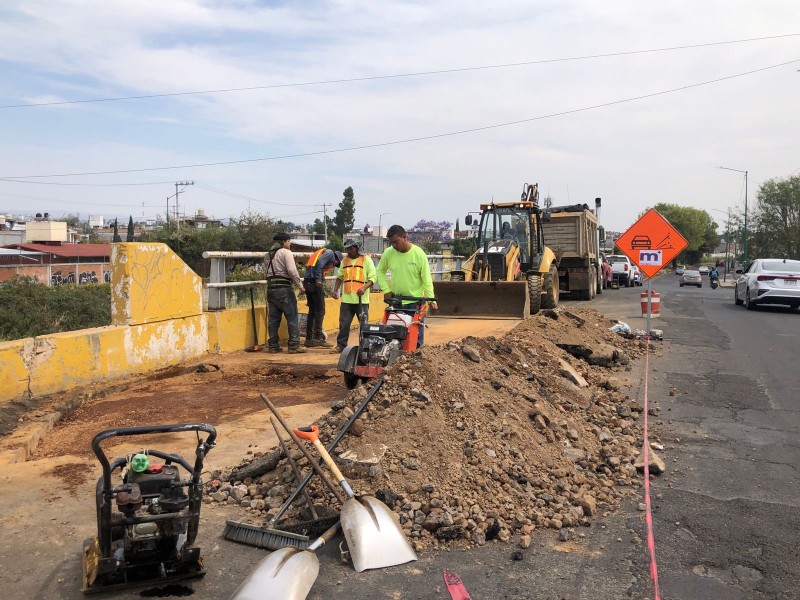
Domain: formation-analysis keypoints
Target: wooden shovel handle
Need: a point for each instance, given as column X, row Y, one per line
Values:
column 331, row 486
column 312, row 434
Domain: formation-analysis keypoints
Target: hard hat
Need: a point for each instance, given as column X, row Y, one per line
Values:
column 352, row 242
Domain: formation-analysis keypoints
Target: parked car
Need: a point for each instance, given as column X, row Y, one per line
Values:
column 691, row 278
column 703, row 270
column 768, row 281
column 680, row 270
column 621, row 269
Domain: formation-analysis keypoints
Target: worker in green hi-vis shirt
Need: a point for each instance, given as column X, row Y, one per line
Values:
column 411, row 273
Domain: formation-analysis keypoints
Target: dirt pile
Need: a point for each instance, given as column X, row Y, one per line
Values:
column 487, row 438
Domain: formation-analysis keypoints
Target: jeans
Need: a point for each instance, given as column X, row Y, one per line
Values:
column 346, row 313
column 316, row 310
column 281, row 301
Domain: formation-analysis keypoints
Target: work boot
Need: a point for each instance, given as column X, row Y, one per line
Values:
column 275, row 350
column 298, row 350
column 337, row 350
column 322, row 344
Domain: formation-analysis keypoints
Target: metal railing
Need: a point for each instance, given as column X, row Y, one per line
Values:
column 441, row 265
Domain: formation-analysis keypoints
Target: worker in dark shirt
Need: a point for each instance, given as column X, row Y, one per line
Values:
column 320, row 263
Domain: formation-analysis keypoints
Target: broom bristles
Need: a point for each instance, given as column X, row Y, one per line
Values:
column 260, row 537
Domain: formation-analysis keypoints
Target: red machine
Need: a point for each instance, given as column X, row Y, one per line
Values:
column 379, row 344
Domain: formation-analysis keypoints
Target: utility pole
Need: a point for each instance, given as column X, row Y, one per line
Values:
column 177, row 209
column 325, row 221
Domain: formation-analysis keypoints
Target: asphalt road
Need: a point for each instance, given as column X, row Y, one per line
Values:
column 726, row 518
column 726, row 522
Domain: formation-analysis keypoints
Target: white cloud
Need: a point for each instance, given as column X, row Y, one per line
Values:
column 663, row 148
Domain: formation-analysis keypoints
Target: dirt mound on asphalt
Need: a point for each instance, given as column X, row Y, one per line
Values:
column 487, row 438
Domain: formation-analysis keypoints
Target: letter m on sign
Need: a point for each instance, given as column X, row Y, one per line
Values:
column 650, row 257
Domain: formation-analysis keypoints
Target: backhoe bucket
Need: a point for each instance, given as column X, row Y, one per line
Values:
column 482, row 299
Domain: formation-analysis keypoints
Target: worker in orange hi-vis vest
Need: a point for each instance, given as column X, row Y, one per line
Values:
column 355, row 278
column 320, row 264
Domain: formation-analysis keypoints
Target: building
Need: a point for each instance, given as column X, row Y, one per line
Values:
column 56, row 263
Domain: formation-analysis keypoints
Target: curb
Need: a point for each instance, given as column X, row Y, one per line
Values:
column 20, row 444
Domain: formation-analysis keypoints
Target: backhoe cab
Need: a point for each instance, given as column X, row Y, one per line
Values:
column 512, row 273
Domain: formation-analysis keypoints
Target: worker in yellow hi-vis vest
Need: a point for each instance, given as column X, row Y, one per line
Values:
column 355, row 278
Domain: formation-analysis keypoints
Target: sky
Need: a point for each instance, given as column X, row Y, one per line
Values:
column 426, row 109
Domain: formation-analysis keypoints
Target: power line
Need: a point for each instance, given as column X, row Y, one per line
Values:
column 222, row 192
column 398, row 75
column 410, row 140
column 84, row 184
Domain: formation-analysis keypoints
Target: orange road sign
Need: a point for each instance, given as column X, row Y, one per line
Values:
column 651, row 243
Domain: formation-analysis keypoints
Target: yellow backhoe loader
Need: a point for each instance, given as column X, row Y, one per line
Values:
column 512, row 274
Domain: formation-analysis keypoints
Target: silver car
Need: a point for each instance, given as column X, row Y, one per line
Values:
column 769, row 281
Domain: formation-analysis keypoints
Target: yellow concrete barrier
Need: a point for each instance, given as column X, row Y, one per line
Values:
column 157, row 322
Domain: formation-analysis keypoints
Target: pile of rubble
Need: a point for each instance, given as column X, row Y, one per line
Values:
column 486, row 438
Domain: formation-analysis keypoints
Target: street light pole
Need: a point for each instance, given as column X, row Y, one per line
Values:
column 745, row 212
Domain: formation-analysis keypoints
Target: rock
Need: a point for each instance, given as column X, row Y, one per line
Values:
column 421, row 395
column 589, row 505
column 238, row 492
column 471, row 353
column 570, row 373
column 574, row 454
column 549, row 313
column 412, row 464
column 656, row 466
column 564, row 535
column 449, row 533
column 479, row 537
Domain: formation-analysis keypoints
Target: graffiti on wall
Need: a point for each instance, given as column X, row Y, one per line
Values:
column 83, row 278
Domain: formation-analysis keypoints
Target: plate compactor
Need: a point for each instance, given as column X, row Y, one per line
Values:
column 150, row 537
column 379, row 344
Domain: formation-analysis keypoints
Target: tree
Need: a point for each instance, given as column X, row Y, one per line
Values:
column 776, row 219
column 697, row 226
column 346, row 214
column 319, row 225
column 464, row 246
column 116, row 237
column 430, row 235
column 129, row 237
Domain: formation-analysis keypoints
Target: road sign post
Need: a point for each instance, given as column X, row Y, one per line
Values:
column 651, row 243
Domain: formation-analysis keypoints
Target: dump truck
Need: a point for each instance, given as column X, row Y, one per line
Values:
column 571, row 231
column 513, row 274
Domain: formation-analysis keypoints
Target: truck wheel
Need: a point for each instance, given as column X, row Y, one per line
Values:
column 534, row 284
column 550, row 289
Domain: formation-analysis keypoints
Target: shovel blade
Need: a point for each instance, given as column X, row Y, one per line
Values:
column 374, row 537
column 286, row 574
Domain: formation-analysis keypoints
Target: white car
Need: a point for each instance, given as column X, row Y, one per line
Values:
column 703, row 270
column 769, row 281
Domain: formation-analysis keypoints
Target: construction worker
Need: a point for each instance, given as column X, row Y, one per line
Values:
column 411, row 273
column 319, row 264
column 281, row 300
column 356, row 276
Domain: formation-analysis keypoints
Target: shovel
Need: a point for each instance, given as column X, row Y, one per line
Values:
column 373, row 534
column 286, row 574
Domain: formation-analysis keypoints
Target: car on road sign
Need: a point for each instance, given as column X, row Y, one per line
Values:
column 640, row 241
column 691, row 278
column 769, row 281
